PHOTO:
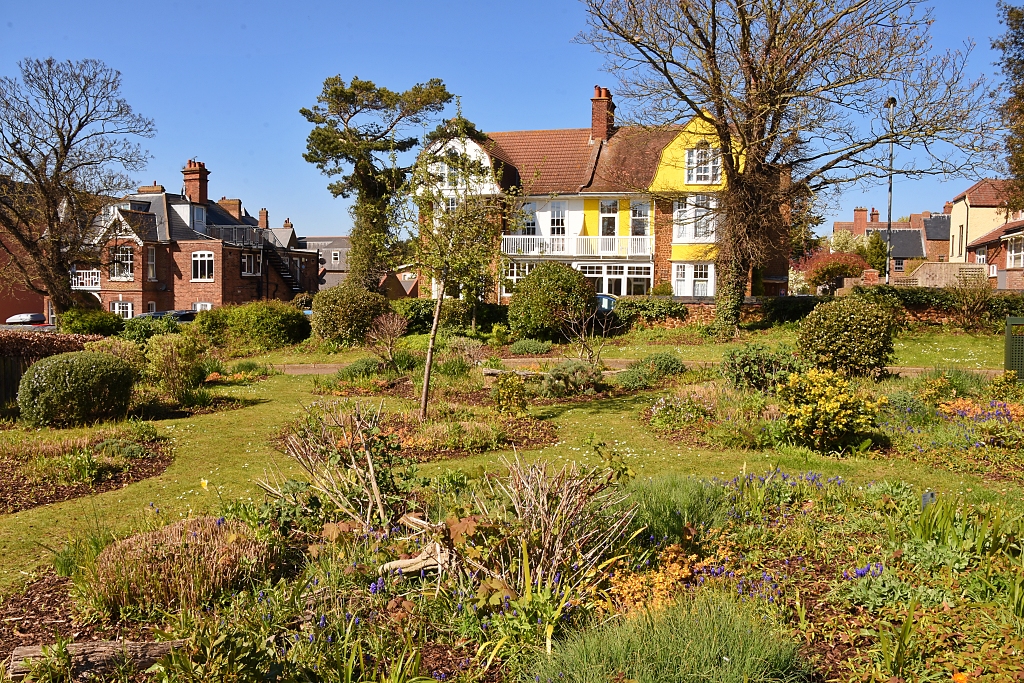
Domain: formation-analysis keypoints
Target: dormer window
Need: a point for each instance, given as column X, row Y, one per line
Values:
column 703, row 165
column 198, row 218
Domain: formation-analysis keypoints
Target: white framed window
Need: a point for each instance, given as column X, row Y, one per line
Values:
column 335, row 257
column 122, row 308
column 702, row 279
column 613, row 281
column 981, row 255
column 679, row 279
column 639, row 218
column 594, row 275
column 703, row 165
column 122, row 263
column 993, row 271
column 450, row 204
column 150, row 307
column 252, row 263
column 202, row 267
column 529, row 226
column 557, row 223
column 704, row 217
column 679, row 220
column 514, row 272
column 609, row 217
column 1015, row 252
column 202, row 306
column 897, row 265
column 151, row 264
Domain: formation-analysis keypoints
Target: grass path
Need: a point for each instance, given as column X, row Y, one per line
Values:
column 231, row 450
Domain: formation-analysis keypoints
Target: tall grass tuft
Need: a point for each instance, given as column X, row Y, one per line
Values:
column 709, row 638
column 673, row 507
column 186, row 564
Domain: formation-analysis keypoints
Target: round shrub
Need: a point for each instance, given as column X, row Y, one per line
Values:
column 571, row 378
column 211, row 326
column 547, row 296
column 76, row 388
column 455, row 313
column 302, row 301
column 267, row 325
column 849, row 335
column 128, row 351
column 662, row 289
column 344, row 313
column 175, row 365
column 87, row 321
column 139, row 330
column 758, row 367
column 830, row 269
column 530, row 347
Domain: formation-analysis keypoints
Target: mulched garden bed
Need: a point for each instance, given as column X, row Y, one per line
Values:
column 20, row 492
column 43, row 610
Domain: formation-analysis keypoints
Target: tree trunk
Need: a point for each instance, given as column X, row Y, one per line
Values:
column 425, row 397
column 94, row 656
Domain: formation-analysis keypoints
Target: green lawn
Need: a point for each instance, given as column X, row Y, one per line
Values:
column 232, row 449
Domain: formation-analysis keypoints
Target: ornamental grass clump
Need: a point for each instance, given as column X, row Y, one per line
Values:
column 824, row 412
column 184, row 565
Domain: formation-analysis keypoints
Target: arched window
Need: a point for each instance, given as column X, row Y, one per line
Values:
column 202, row 266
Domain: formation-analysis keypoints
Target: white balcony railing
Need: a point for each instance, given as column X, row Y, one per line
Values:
column 595, row 247
column 85, row 279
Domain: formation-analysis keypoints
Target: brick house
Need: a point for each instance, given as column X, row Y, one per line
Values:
column 175, row 252
column 974, row 213
column 924, row 237
column 1002, row 250
column 629, row 207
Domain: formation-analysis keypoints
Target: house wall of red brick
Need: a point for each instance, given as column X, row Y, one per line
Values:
column 663, row 220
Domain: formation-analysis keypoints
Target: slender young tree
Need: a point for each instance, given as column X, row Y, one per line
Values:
column 359, row 131
column 458, row 213
column 66, row 148
column 1011, row 61
column 793, row 92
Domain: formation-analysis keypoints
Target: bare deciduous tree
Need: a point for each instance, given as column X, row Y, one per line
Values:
column 794, row 92
column 383, row 336
column 65, row 152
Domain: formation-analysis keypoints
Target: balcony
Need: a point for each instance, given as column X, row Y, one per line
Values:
column 238, row 235
column 86, row 279
column 589, row 247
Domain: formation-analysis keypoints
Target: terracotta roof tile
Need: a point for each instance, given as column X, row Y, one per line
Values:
column 998, row 233
column 629, row 161
column 986, row 193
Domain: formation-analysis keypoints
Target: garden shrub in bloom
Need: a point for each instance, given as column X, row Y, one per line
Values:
column 849, row 335
column 184, row 565
column 823, row 411
column 510, row 393
column 76, row 388
column 1006, row 387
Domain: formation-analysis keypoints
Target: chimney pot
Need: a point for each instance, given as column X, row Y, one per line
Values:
column 196, row 182
column 874, row 215
column 232, row 206
column 602, row 114
column 597, row 91
column 264, row 219
column 860, row 220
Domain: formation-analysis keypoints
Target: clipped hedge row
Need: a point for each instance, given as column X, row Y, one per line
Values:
column 36, row 345
column 648, row 309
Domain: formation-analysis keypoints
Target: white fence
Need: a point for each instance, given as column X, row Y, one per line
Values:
column 85, row 279
column 533, row 245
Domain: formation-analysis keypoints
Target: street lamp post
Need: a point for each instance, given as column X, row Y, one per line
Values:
column 890, row 104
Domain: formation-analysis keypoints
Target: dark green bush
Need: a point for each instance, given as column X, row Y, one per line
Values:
column 266, row 325
column 755, row 366
column 139, row 330
column 906, row 297
column 360, row 368
column 343, row 314
column 662, row 289
column 302, row 301
column 212, row 326
column 788, row 309
column 648, row 309
column 455, row 314
column 1002, row 306
column 76, row 388
column 571, row 378
column 530, row 347
column 544, row 298
column 406, row 360
column 646, row 372
column 419, row 313
column 90, row 321
column 849, row 335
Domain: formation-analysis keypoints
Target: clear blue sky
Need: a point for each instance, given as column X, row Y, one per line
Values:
column 224, row 80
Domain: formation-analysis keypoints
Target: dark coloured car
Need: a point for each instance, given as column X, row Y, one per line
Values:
column 185, row 316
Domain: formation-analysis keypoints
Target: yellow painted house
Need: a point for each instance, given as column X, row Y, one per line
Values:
column 630, row 208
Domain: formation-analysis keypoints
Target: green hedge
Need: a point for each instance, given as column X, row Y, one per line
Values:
column 343, row 314
column 455, row 314
column 90, row 321
column 648, row 309
column 75, row 388
column 789, row 309
column 267, row 325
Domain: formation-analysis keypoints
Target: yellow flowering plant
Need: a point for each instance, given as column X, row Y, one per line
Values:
column 824, row 412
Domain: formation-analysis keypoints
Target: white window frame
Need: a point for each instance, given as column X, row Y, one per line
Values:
column 898, row 265
column 556, row 221
column 529, row 226
column 702, row 275
column 122, row 263
column 639, row 218
column 151, row 264
column 203, row 266
column 124, row 309
column 981, row 255
column 704, row 223
column 335, row 257
column 703, row 165
column 686, row 275
column 252, row 263
column 150, row 307
column 514, row 272
column 1015, row 252
column 617, row 275
column 679, row 220
column 202, row 306
column 199, row 218
column 608, row 214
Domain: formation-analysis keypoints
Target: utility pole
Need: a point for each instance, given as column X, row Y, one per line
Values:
column 891, row 106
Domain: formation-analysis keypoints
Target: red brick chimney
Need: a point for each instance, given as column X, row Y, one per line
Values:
column 860, row 220
column 195, row 181
column 602, row 114
column 874, row 215
column 287, row 222
column 264, row 219
column 151, row 189
column 232, row 206
column 948, row 208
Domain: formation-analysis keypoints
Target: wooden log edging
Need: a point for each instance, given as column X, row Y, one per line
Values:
column 94, row 656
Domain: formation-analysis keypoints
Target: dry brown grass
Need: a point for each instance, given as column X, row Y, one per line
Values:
column 183, row 565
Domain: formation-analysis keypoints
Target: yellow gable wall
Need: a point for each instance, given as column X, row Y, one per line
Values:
column 693, row 252
column 592, row 216
column 671, row 174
